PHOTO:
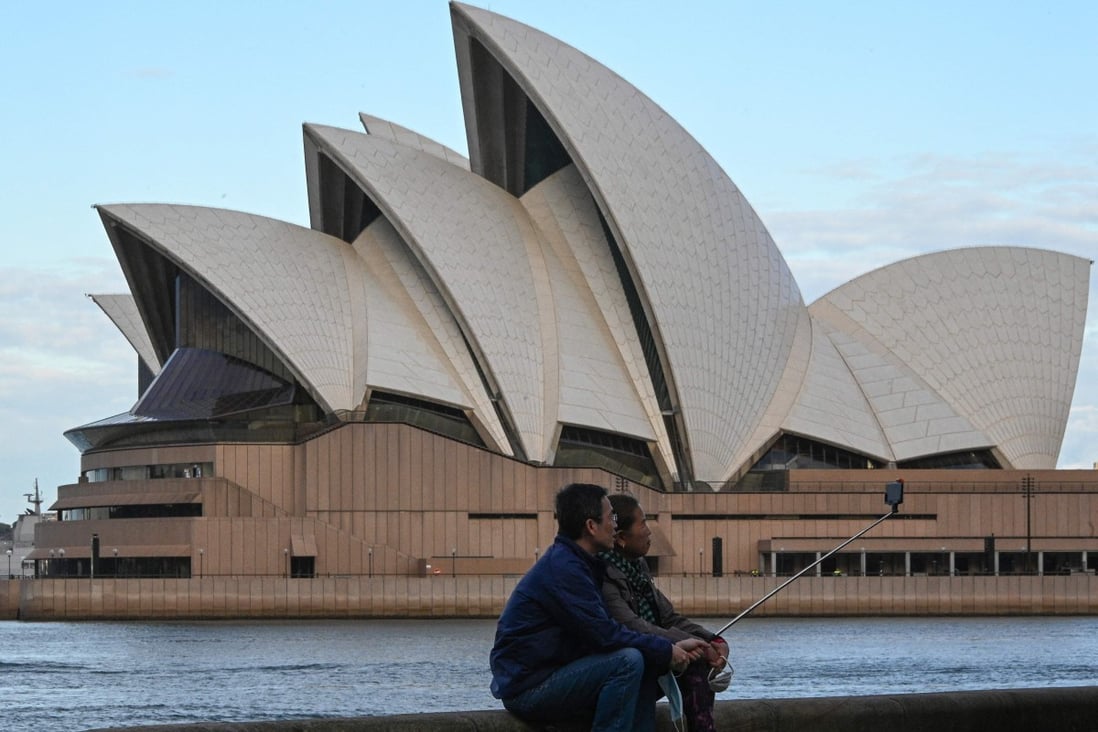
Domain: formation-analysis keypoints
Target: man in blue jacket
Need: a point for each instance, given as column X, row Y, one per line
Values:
column 558, row 654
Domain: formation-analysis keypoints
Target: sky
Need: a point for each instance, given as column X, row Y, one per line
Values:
column 862, row 133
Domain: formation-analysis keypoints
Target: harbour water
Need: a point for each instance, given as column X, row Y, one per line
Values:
column 76, row 676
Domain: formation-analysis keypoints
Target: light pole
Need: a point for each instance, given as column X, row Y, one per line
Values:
column 286, row 553
column 701, row 562
column 1029, row 487
column 115, row 567
column 370, row 552
column 201, row 562
column 61, row 567
column 454, row 562
column 9, row 564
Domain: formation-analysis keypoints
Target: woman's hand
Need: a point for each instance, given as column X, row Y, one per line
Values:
column 717, row 653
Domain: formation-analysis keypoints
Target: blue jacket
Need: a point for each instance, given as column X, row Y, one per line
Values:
column 556, row 615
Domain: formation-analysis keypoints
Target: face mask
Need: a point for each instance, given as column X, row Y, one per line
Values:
column 720, row 678
column 674, row 696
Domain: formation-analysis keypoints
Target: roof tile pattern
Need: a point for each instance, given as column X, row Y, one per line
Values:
column 404, row 136
column 291, row 284
column 595, row 387
column 515, row 310
column 415, row 346
column 123, row 312
column 995, row 333
column 722, row 299
column 461, row 225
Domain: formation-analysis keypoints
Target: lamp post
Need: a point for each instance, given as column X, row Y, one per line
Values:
column 286, row 553
column 370, row 553
column 453, row 562
column 114, row 569
column 1029, row 487
column 9, row 564
column 201, row 562
column 701, row 562
column 61, row 568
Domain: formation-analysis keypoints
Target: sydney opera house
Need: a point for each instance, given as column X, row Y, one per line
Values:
column 399, row 388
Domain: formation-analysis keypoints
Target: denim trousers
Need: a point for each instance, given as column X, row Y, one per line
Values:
column 613, row 687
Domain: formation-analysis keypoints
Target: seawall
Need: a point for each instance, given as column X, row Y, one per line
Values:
column 1072, row 709
column 483, row 596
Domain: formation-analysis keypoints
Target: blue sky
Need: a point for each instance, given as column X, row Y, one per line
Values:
column 862, row 133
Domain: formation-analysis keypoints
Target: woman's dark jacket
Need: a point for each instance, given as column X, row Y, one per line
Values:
column 624, row 607
column 556, row 615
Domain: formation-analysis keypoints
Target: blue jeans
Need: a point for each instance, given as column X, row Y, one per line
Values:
column 608, row 685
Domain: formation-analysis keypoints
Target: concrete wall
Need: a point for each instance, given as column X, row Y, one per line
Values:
column 9, row 599
column 407, row 495
column 1014, row 710
column 484, row 596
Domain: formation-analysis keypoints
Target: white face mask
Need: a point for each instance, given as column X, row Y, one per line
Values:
column 674, row 696
column 720, row 678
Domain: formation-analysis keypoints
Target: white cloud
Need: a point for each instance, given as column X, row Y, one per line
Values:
column 62, row 364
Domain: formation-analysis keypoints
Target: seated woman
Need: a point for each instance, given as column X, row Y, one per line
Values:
column 634, row 601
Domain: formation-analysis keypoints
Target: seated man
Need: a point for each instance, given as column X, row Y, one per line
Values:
column 558, row 654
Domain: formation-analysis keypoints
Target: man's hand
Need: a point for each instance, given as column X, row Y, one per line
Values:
column 686, row 651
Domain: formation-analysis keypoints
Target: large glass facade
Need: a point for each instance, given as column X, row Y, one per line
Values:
column 201, row 384
column 964, row 460
column 59, row 566
column 626, row 456
column 150, row 472
column 793, row 452
column 438, row 418
column 143, row 510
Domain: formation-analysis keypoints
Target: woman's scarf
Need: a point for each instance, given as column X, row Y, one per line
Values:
column 639, row 582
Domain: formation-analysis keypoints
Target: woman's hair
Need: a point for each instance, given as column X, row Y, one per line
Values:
column 625, row 506
column 577, row 502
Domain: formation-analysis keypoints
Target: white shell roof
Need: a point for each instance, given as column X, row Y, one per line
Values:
column 722, row 301
column 991, row 337
column 300, row 290
column 415, row 347
column 583, row 379
column 462, row 294
column 477, row 244
column 123, row 312
column 409, row 138
column 832, row 406
column 593, row 385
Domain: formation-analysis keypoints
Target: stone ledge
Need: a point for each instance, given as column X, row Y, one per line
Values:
column 1066, row 709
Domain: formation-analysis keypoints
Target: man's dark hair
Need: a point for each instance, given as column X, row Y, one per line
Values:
column 577, row 502
column 625, row 506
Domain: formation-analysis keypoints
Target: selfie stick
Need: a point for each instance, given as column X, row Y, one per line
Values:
column 894, row 496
